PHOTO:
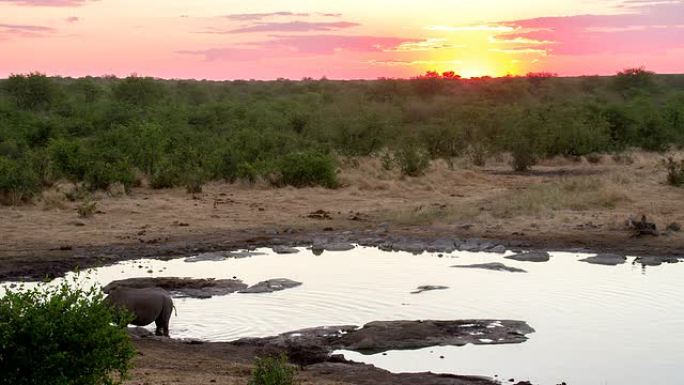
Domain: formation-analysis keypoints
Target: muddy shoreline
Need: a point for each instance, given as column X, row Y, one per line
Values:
column 311, row 350
column 41, row 261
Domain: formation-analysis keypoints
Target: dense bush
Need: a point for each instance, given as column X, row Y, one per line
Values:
column 99, row 131
column 18, row 180
column 309, row 168
column 61, row 335
column 273, row 371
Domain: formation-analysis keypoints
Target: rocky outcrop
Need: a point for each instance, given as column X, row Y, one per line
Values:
column 183, row 287
column 270, row 286
column 530, row 256
column 495, row 266
column 315, row 344
column 606, row 259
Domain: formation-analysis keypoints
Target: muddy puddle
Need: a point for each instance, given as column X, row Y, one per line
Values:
column 594, row 324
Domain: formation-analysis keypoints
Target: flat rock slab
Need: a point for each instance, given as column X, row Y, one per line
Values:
column 606, row 259
column 531, row 256
column 333, row 246
column 183, row 287
column 284, row 250
column 424, row 288
column 271, row 286
column 495, row 266
column 656, row 261
column 377, row 337
column 218, row 256
column 315, row 344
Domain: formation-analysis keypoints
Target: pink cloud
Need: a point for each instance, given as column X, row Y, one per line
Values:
column 648, row 27
column 18, row 30
column 259, row 16
column 301, row 45
column 294, row 26
column 48, row 3
column 72, row 19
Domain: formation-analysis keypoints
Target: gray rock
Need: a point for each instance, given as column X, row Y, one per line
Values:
column 183, row 287
column 285, row 250
column 421, row 289
column 496, row 266
column 499, row 249
column 656, row 261
column 606, row 259
column 408, row 246
column 217, row 256
column 270, row 286
column 531, row 256
column 441, row 246
column 674, row 226
column 338, row 246
column 381, row 336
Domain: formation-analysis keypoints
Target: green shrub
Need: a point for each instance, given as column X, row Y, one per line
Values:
column 675, row 171
column 246, row 172
column 273, row 371
column 62, row 335
column 412, row 160
column 18, row 180
column 165, row 176
column 102, row 173
column 301, row 169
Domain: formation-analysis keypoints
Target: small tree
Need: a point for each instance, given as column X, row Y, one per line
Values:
column 62, row 335
column 32, row 91
column 633, row 80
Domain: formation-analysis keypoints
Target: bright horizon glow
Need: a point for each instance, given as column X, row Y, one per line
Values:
column 230, row 39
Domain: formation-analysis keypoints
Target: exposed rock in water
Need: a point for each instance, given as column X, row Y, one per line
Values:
column 606, row 259
column 217, row 256
column 285, row 250
column 496, row 266
column 531, row 256
column 655, row 261
column 270, row 286
column 499, row 249
column 396, row 335
column 421, row 289
column 381, row 336
column 320, row 245
column 183, row 287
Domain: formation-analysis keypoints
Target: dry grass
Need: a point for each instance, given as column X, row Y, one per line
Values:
column 53, row 200
column 576, row 193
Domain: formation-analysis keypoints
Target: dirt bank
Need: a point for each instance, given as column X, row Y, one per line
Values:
column 560, row 205
column 171, row 362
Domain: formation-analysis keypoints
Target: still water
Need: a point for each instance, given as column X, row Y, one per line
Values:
column 594, row 324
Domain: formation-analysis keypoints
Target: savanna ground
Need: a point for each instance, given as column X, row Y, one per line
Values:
column 561, row 203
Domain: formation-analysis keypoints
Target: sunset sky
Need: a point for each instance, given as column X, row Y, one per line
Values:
column 268, row 39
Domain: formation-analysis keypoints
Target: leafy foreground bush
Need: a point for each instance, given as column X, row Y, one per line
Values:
column 273, row 371
column 62, row 335
column 675, row 172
